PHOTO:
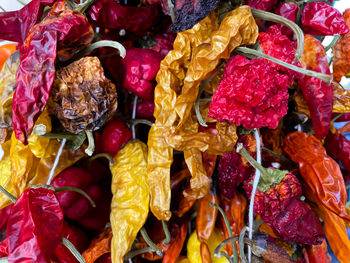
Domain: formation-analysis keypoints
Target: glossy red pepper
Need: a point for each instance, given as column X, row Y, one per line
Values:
column 35, row 226
column 317, row 94
column 321, row 19
column 114, row 136
column 37, row 66
column 141, row 67
column 4, row 214
column 109, row 14
column 265, row 5
column 290, row 11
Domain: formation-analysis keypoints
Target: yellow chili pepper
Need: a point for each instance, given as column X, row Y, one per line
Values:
column 130, row 202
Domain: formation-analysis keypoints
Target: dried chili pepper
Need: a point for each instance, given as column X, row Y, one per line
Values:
column 321, row 19
column 176, row 244
column 145, row 109
column 251, row 101
column 129, row 208
column 36, row 69
column 35, row 226
column 290, row 11
column 341, row 52
column 319, row 253
column 265, row 5
column 109, row 14
column 317, row 94
column 164, row 43
column 141, row 67
column 321, row 173
column 4, row 214
column 99, row 246
column 5, row 52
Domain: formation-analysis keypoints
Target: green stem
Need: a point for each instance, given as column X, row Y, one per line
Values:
column 77, row 190
column 79, row 7
column 166, row 232
column 91, row 143
column 2, row 9
column 8, row 195
column 105, row 155
column 241, row 244
column 336, row 117
column 229, row 230
column 282, row 20
column 135, row 253
column 141, row 121
column 73, row 250
column 171, row 10
column 21, row 2
column 196, row 104
column 324, row 77
column 150, row 242
column 334, row 41
column 278, row 156
column 218, row 253
column 40, row 130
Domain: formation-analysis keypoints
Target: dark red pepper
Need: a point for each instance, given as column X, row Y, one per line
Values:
column 321, row 19
column 164, row 43
column 289, row 11
column 265, row 5
column 109, row 14
column 4, row 214
column 35, row 226
column 145, row 109
column 36, row 71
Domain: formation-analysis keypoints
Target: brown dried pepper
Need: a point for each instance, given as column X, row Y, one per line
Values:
column 321, row 172
column 99, row 246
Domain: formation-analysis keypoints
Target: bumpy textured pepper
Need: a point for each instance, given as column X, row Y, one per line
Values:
column 321, row 173
column 317, row 94
column 130, row 202
column 35, row 226
column 37, row 69
column 341, row 52
column 99, row 246
column 321, row 19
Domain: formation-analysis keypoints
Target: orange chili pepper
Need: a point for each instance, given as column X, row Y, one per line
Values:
column 5, row 52
column 99, row 246
column 319, row 253
column 205, row 253
column 176, row 244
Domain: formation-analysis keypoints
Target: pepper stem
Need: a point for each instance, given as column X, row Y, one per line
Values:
column 91, row 147
column 105, row 155
column 282, row 20
column 150, row 242
column 242, row 151
column 241, row 244
column 79, row 7
column 21, row 2
column 278, row 156
column 73, row 250
column 166, row 232
column 133, row 117
column 2, row 9
column 248, row 51
column 334, row 41
column 141, row 121
column 135, row 253
column 229, row 230
column 77, row 190
column 8, row 195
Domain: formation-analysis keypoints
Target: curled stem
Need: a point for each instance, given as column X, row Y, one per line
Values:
column 105, row 155
column 3, row 10
column 218, row 253
column 282, row 20
column 8, row 195
column 248, row 51
column 141, row 121
column 150, row 242
column 77, row 190
column 91, row 143
column 196, row 107
column 166, row 232
column 133, row 117
column 241, row 244
column 73, row 250
column 135, row 253
column 334, row 41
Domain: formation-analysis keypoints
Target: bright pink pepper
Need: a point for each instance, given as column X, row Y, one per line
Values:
column 252, row 93
column 265, row 5
column 141, row 67
column 321, row 19
column 289, row 11
column 114, row 136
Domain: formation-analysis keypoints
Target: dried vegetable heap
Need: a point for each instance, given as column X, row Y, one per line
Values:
column 174, row 131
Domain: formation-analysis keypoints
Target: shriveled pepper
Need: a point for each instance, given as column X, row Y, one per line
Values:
column 317, row 94
column 265, row 5
column 321, row 173
column 99, row 246
column 130, row 202
column 341, row 52
column 321, row 19
column 290, row 11
column 319, row 253
column 61, row 25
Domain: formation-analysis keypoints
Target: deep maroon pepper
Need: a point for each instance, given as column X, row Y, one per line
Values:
column 343, row 117
column 114, row 136
column 265, row 5
column 141, row 67
column 36, row 71
column 164, row 43
column 321, row 19
column 109, row 14
column 290, row 11
column 4, row 214
column 35, row 226
column 145, row 109
column 106, row 258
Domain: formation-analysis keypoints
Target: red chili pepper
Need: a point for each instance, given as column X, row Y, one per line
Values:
column 105, row 259
column 37, row 69
column 321, row 19
column 319, row 253
column 164, row 43
column 4, row 214
column 109, row 14
column 35, row 226
column 176, row 244
column 145, row 109
column 77, row 237
column 265, row 5
column 250, row 100
column 289, row 11
column 114, row 136
column 4, row 248
column 141, row 67
column 317, row 94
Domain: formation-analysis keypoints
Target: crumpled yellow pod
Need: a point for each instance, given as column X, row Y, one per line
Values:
column 5, row 171
column 130, row 202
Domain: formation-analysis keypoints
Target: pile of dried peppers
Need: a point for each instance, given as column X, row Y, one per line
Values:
column 174, row 131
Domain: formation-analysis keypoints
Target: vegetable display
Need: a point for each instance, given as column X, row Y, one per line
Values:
column 174, row 131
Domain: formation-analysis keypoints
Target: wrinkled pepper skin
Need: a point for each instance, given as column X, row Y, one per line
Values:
column 290, row 11
column 35, row 226
column 36, row 71
column 176, row 244
column 99, row 246
column 321, row 173
column 130, row 202
column 321, row 19
column 317, row 94
column 265, row 5
column 319, row 253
